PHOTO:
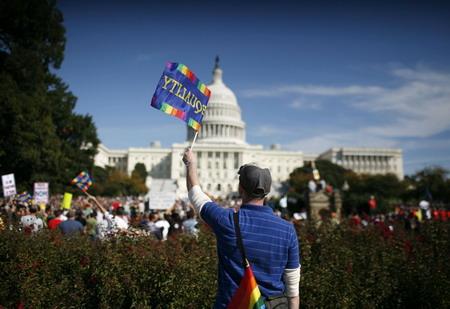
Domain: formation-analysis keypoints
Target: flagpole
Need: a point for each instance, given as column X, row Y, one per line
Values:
column 195, row 137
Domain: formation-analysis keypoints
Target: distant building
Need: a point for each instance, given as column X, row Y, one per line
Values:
column 221, row 149
column 367, row 160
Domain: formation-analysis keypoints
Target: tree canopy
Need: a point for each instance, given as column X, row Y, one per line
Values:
column 42, row 138
column 333, row 175
column 110, row 182
column 431, row 183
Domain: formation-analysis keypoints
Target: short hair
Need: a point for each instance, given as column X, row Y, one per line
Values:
column 153, row 215
column 120, row 211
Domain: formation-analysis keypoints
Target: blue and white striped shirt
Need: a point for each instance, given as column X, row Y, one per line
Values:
column 270, row 243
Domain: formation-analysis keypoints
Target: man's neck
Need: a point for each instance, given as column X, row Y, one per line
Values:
column 259, row 202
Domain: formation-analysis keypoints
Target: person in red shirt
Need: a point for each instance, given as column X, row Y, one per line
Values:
column 53, row 223
column 372, row 206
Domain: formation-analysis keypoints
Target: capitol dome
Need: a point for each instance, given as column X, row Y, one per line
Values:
column 222, row 122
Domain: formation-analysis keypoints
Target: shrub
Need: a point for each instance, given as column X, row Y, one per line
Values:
column 342, row 266
column 49, row 270
column 375, row 267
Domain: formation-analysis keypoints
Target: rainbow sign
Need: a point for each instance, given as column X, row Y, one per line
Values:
column 82, row 181
column 181, row 94
column 25, row 197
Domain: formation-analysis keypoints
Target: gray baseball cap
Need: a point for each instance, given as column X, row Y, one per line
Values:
column 255, row 180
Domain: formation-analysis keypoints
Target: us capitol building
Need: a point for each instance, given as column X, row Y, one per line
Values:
column 221, row 149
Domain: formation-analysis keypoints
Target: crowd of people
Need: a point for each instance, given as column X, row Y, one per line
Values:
column 99, row 218
column 102, row 217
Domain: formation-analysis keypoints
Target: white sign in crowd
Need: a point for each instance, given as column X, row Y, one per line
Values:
column 40, row 192
column 162, row 200
column 9, row 185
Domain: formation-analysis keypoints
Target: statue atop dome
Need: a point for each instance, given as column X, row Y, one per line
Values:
column 217, row 73
column 217, row 62
column 223, row 120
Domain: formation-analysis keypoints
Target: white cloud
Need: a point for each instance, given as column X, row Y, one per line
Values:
column 418, row 106
column 437, row 144
column 269, row 130
column 329, row 91
column 422, row 73
column 305, row 104
column 312, row 90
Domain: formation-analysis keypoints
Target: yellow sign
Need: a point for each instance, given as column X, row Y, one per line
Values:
column 67, row 201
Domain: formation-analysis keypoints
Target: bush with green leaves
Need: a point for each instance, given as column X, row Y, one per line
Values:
column 49, row 270
column 343, row 266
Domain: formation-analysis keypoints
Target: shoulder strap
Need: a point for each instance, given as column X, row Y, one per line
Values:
column 239, row 238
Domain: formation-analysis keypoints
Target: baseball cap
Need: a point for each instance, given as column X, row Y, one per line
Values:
column 255, row 180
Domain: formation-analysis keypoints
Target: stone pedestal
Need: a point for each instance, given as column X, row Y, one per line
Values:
column 317, row 202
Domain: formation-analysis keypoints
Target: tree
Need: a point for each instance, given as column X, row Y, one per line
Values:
column 140, row 170
column 333, row 175
column 430, row 182
column 110, row 182
column 386, row 188
column 42, row 138
column 120, row 184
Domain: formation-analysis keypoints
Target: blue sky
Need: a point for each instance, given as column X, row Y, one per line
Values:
column 308, row 75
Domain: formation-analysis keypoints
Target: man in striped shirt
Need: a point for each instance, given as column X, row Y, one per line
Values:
column 270, row 243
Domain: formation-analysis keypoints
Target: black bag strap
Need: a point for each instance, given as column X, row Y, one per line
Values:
column 239, row 238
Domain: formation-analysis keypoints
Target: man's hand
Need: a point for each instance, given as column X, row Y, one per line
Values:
column 191, row 172
column 189, row 156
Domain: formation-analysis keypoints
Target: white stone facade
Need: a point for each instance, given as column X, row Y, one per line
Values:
column 221, row 149
column 367, row 160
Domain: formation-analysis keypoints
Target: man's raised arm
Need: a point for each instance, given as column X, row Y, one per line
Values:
column 196, row 195
column 190, row 161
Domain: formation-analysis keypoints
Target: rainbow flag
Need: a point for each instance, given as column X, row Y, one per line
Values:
column 82, row 181
column 181, row 94
column 247, row 295
column 24, row 197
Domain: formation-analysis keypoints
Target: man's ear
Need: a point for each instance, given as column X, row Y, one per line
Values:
column 240, row 190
